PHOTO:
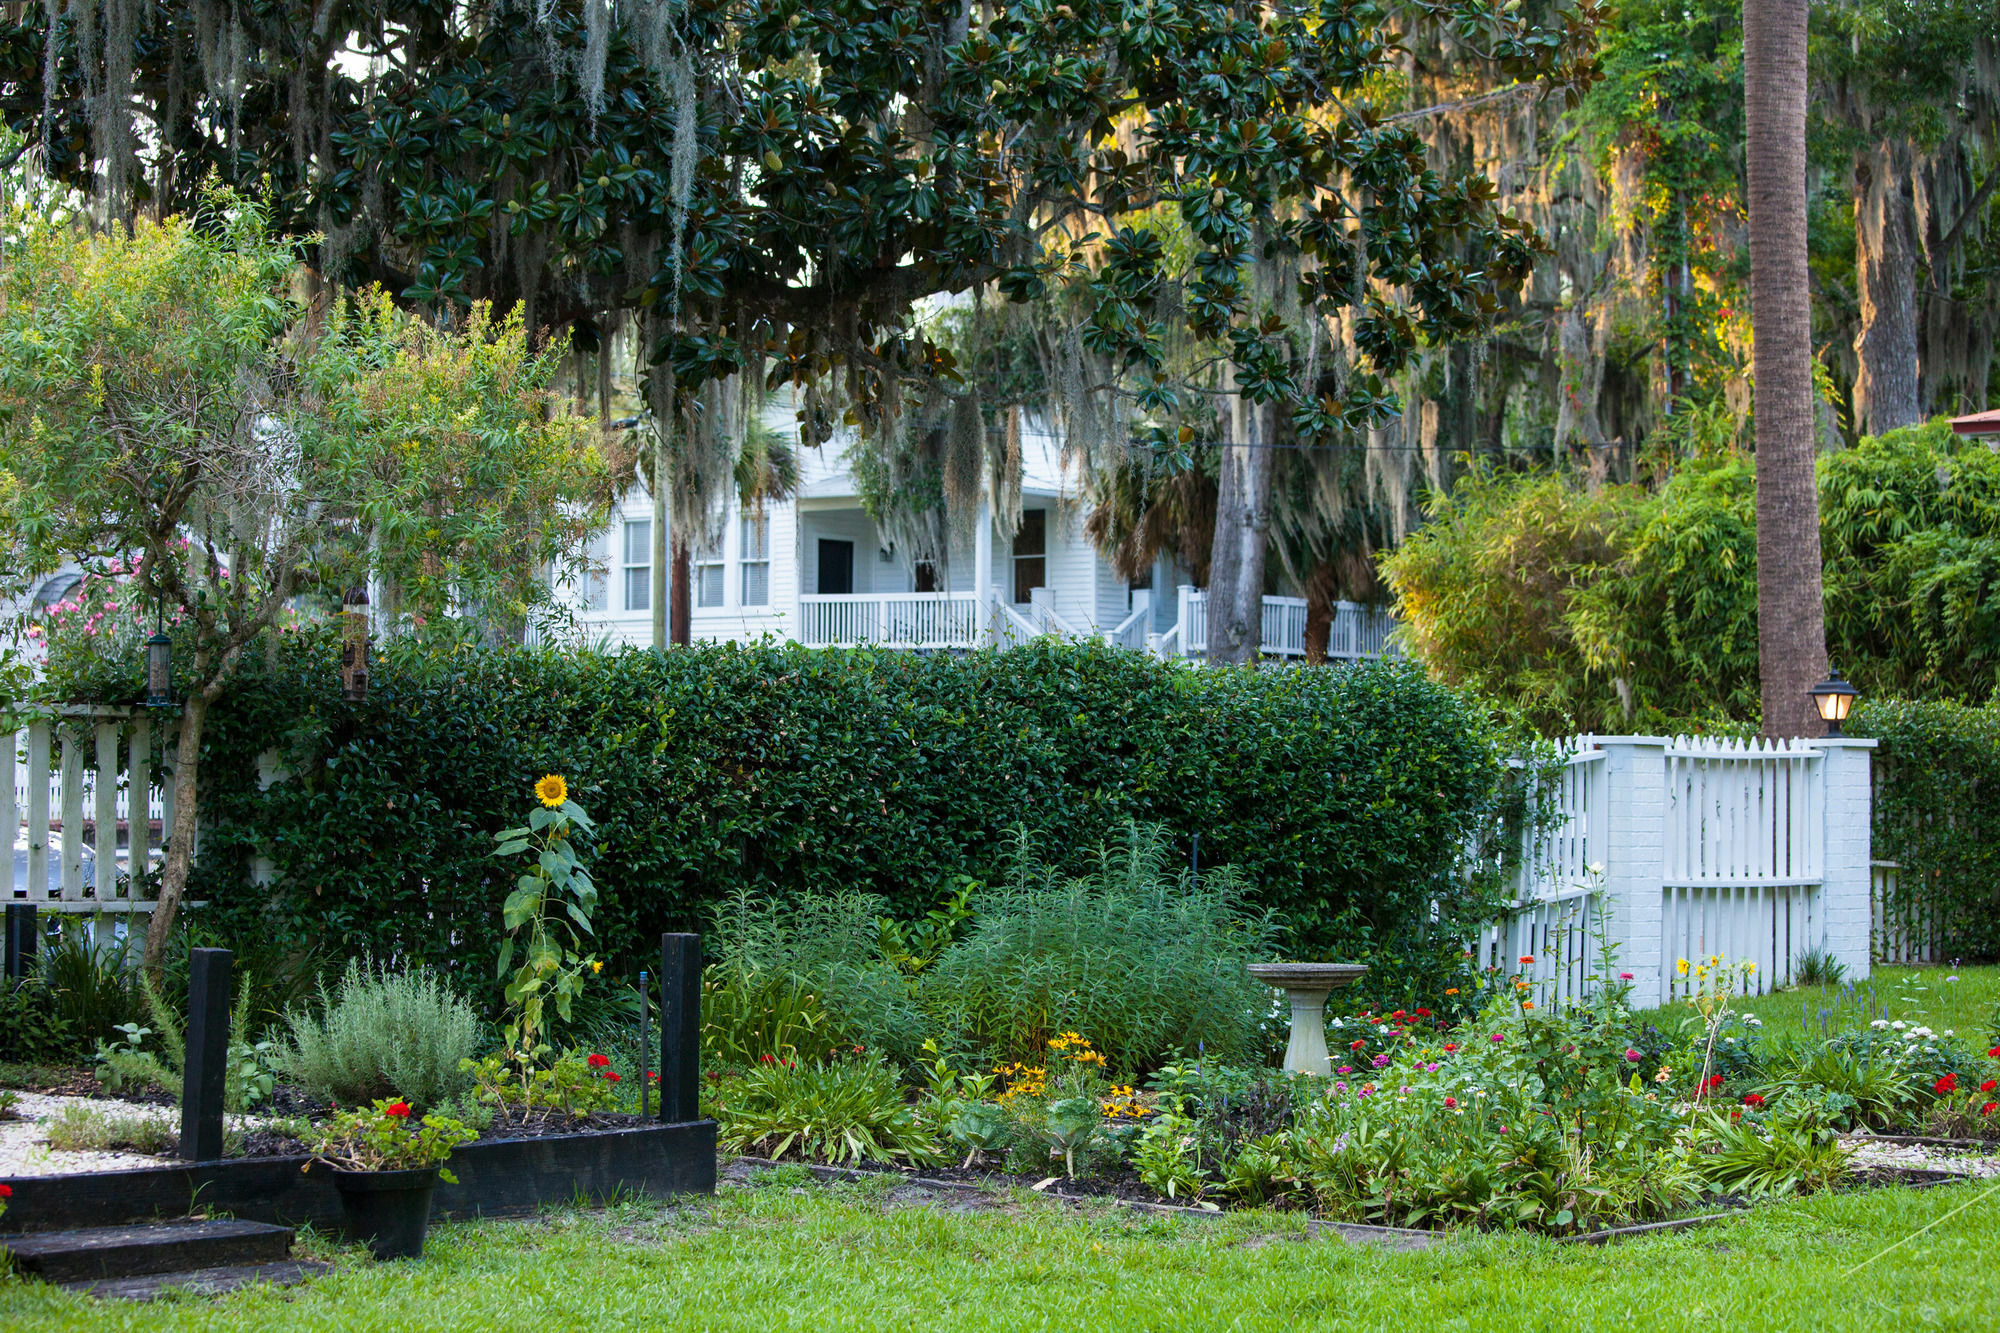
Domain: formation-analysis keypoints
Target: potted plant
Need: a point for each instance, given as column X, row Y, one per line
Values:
column 386, row 1161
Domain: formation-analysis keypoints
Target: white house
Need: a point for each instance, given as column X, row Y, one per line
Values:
column 817, row 570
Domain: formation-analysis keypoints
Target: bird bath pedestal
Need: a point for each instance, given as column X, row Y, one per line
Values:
column 1307, row 985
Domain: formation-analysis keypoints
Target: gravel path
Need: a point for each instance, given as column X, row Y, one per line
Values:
column 23, row 1151
column 1960, row 1161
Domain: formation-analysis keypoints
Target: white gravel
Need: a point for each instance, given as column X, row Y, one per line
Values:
column 24, row 1149
column 1959, row 1161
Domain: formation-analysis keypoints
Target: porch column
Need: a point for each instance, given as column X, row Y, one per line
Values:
column 982, row 566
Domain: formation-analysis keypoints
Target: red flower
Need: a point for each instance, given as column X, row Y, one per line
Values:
column 1451, row 1103
column 1994, row 1053
column 599, row 1061
column 1715, row 1081
column 1752, row 1099
column 1735, row 1115
column 1450, row 1047
column 1423, row 1013
column 765, row 1058
column 397, row 1109
column 1988, row 1108
column 1949, row 1083
column 1356, row 1045
column 6, row 1191
column 1527, row 958
column 610, row 1077
column 1397, row 1014
column 1989, row 1085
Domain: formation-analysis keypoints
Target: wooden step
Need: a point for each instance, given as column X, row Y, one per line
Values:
column 203, row 1281
column 97, row 1253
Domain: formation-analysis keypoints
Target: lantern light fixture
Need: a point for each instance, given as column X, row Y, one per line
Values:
column 1834, row 698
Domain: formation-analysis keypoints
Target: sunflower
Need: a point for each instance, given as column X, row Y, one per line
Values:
column 552, row 791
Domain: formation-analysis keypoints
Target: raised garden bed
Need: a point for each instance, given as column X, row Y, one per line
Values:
column 498, row 1177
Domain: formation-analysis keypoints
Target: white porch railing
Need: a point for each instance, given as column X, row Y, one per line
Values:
column 1757, row 851
column 924, row 621
column 66, row 805
column 1357, row 631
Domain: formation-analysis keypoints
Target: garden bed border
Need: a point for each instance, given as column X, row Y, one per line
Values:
column 503, row 1177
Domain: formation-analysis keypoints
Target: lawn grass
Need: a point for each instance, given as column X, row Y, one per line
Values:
column 1913, row 994
column 782, row 1255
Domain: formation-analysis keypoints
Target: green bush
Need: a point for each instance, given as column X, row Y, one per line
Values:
column 1343, row 796
column 32, row 1028
column 94, row 985
column 1937, row 814
column 1138, row 954
column 1617, row 608
column 384, row 1034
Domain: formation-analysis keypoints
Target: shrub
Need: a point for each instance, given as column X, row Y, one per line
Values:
column 33, row 1029
column 1343, row 796
column 826, row 1111
column 1142, row 959
column 384, row 1034
column 76, row 1128
column 93, row 984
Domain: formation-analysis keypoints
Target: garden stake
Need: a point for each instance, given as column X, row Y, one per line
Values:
column 680, row 1028
column 642, row 1046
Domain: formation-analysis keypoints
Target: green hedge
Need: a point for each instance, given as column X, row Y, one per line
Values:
column 1937, row 814
column 1344, row 794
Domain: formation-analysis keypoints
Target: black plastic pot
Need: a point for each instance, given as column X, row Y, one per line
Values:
column 391, row 1210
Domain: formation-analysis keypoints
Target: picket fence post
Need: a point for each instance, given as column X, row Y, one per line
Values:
column 1846, row 906
column 1635, row 788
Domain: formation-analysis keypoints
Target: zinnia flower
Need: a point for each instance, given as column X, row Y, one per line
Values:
column 1752, row 1099
column 397, row 1109
column 1632, row 1054
column 1949, row 1083
column 1624, row 976
column 1424, row 1013
column 1527, row 1004
column 598, row 1061
column 1454, row 990
column 1497, row 1037
column 1988, row 1108
column 1989, row 1085
column 1356, row 1045
column 552, row 791
column 1450, row 1047
column 1451, row 1103
column 610, row 1076
column 1527, row 958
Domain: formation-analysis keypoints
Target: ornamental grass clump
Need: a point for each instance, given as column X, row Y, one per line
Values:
column 1137, row 952
column 830, row 1111
column 382, row 1032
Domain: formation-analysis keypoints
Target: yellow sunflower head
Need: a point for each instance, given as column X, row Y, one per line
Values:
column 552, row 791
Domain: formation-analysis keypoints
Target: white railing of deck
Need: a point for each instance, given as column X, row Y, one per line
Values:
column 1357, row 631
column 920, row 620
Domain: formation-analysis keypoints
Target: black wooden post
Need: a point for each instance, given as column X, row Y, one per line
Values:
column 207, row 1055
column 680, row 1028
column 21, row 939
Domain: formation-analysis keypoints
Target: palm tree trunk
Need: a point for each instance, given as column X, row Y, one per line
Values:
column 1791, row 630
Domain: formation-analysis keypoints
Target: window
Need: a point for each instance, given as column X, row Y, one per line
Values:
column 1031, row 565
column 638, row 564
column 756, row 556
column 709, row 575
column 927, row 577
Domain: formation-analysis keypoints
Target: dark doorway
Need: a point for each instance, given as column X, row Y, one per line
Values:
column 836, row 567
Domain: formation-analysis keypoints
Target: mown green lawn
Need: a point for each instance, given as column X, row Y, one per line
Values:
column 781, row 1255
column 1927, row 995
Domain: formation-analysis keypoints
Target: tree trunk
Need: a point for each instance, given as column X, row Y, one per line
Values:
column 657, row 574
column 1242, row 523
column 1791, row 631
column 1319, row 612
column 683, row 608
column 180, row 838
column 1886, row 389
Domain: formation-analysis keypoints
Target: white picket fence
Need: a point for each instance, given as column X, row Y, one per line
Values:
column 1691, row 848
column 67, row 802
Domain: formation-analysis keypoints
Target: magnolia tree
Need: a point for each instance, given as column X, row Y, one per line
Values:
column 172, row 407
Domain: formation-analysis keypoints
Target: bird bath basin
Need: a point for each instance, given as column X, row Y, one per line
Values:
column 1307, row 985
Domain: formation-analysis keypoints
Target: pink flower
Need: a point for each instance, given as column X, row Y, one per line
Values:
column 1380, row 1061
column 1451, row 1103
column 1497, row 1037
column 1624, row 976
column 1632, row 1054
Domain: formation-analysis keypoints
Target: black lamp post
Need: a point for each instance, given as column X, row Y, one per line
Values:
column 1833, row 697
column 159, row 660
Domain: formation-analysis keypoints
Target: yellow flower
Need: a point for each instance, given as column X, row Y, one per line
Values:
column 596, row 965
column 552, row 791
column 1452, row 991
column 1681, row 967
